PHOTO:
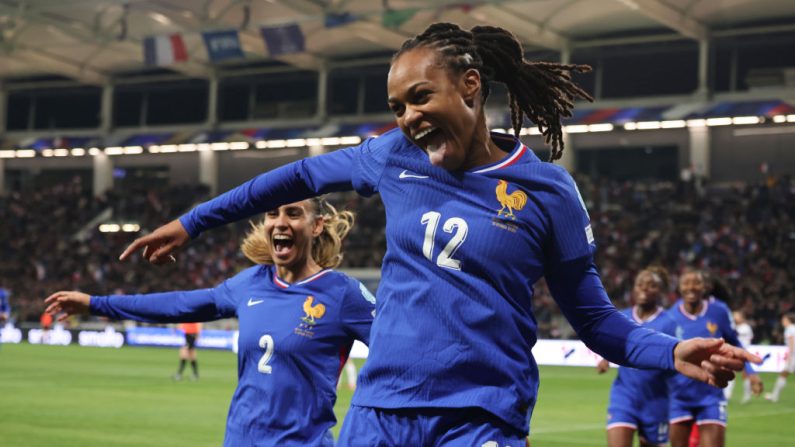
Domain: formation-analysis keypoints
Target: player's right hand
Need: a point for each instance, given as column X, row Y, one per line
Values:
column 67, row 304
column 159, row 245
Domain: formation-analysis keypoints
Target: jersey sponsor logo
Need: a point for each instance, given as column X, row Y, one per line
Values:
column 252, row 302
column 405, row 174
column 712, row 328
column 516, row 200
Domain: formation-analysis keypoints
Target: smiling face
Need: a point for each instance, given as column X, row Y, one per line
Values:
column 438, row 110
column 692, row 287
column 290, row 230
column 647, row 290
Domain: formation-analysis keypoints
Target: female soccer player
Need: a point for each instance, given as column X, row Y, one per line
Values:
column 697, row 314
column 298, row 320
column 473, row 220
column 638, row 397
column 788, row 323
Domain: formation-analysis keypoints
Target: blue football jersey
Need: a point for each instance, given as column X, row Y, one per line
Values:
column 454, row 326
column 293, row 341
column 645, row 391
column 713, row 321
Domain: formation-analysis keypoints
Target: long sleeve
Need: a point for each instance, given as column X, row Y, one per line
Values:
column 168, row 307
column 358, row 311
column 579, row 292
column 290, row 183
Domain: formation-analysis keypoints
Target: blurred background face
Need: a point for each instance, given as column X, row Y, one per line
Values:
column 290, row 230
column 692, row 287
column 430, row 106
column 739, row 318
column 647, row 291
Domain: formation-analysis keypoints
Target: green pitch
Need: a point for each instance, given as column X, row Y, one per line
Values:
column 73, row 396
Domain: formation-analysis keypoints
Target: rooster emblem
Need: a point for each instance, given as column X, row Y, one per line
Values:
column 712, row 328
column 513, row 201
column 313, row 312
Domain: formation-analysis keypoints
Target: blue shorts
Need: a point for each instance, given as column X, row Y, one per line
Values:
column 440, row 427
column 654, row 431
column 702, row 414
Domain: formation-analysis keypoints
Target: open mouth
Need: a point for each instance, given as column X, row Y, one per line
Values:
column 282, row 244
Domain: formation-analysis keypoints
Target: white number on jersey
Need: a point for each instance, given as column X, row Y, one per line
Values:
column 266, row 343
column 454, row 224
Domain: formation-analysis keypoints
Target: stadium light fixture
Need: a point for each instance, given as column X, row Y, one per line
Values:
column 261, row 144
column 673, row 124
column 276, row 144
column 130, row 228
column 109, row 228
column 47, row 153
column 296, row 142
column 187, row 148
column 791, row 118
column 154, row 149
column 94, row 151
column 203, row 147
column 780, row 119
column 78, row 152
column 238, row 145
column 132, row 150
column 745, row 120
column 607, row 127
column 168, row 148
column 649, row 125
column 60, row 152
column 26, row 153
column 7, row 154
column 696, row 123
column 219, row 146
column 313, row 142
column 330, row 141
column 577, row 128
column 114, row 150
column 350, row 141
column 630, row 126
column 719, row 121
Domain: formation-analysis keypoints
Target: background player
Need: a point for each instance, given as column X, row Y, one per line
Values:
column 451, row 362
column 697, row 315
column 187, row 353
column 298, row 320
column 5, row 306
column 639, row 398
column 788, row 323
column 745, row 334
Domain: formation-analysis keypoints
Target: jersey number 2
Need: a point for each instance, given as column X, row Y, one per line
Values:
column 445, row 259
column 266, row 343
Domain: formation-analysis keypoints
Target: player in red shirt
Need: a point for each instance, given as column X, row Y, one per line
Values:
column 188, row 352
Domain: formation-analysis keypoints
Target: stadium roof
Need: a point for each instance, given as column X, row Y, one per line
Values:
column 94, row 41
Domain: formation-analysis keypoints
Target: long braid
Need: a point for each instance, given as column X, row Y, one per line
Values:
column 541, row 91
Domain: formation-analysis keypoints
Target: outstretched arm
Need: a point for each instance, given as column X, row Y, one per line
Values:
column 290, row 183
column 579, row 292
column 170, row 307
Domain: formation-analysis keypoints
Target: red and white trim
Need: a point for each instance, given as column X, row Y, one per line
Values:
column 711, row 422
column 622, row 425
column 284, row 284
column 680, row 419
column 687, row 314
column 513, row 158
column 636, row 316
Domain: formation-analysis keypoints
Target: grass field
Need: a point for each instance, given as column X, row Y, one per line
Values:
column 74, row 396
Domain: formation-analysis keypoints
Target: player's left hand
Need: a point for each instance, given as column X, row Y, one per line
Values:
column 711, row 360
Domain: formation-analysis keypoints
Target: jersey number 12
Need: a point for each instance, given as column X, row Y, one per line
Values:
column 454, row 224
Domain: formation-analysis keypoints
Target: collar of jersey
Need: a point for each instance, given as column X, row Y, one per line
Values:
column 637, row 318
column 518, row 151
column 284, row 284
column 691, row 316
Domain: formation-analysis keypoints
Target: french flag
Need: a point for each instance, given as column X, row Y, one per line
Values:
column 164, row 50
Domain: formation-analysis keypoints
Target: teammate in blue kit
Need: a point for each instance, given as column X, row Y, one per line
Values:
column 638, row 397
column 5, row 307
column 298, row 320
column 698, row 315
column 474, row 219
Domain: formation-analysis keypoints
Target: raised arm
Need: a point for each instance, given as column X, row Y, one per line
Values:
column 290, row 183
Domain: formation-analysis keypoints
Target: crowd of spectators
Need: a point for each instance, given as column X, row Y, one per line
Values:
column 741, row 233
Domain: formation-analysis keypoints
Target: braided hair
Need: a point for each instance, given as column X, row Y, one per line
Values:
column 542, row 91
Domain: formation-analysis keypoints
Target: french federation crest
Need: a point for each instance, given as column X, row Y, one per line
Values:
column 509, row 202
